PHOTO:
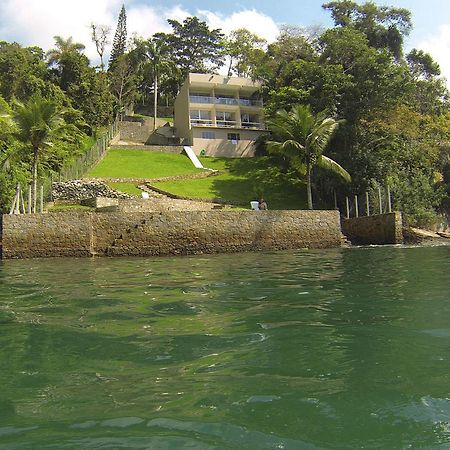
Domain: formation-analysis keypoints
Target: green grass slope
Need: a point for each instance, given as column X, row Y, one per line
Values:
column 119, row 163
column 240, row 181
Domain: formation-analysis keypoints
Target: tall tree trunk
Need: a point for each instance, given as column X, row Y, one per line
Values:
column 230, row 66
column 34, row 177
column 308, row 186
column 155, row 112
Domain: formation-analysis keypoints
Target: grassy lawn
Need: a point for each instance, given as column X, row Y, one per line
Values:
column 241, row 181
column 119, row 163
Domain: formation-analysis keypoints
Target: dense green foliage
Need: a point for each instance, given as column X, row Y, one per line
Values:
column 302, row 137
column 396, row 121
column 34, row 87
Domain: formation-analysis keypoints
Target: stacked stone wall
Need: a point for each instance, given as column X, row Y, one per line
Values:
column 378, row 229
column 51, row 234
column 167, row 233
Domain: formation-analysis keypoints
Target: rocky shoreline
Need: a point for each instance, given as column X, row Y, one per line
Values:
column 419, row 236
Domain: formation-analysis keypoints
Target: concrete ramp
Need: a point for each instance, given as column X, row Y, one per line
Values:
column 193, row 157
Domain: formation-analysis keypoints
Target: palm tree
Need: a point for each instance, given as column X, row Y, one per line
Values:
column 63, row 46
column 303, row 136
column 5, row 131
column 157, row 54
column 38, row 121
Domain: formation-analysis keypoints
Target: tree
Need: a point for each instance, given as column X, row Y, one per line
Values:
column 99, row 35
column 123, row 82
column 22, row 71
column 159, row 61
column 120, row 39
column 194, row 47
column 384, row 26
column 303, row 137
column 63, row 47
column 292, row 44
column 38, row 122
column 245, row 50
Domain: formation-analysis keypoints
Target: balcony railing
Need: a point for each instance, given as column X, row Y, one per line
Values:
column 248, row 102
column 201, row 99
column 203, row 122
column 205, row 99
column 254, row 125
column 225, row 101
column 226, row 123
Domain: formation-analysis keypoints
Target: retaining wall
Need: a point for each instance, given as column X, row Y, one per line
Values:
column 166, row 233
column 378, row 229
column 177, row 149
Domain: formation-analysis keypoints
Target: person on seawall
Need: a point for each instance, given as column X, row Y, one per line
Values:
column 262, row 205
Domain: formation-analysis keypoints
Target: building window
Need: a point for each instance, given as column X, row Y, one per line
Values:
column 208, row 135
column 234, row 137
column 225, row 119
column 200, row 117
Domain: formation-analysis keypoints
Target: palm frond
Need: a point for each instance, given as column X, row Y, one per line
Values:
column 329, row 164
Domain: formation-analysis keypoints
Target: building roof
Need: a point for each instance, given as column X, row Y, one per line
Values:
column 207, row 80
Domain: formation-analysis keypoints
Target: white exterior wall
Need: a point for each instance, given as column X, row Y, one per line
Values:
column 214, row 86
column 221, row 146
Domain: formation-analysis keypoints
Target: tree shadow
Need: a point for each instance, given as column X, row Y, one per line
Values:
column 252, row 178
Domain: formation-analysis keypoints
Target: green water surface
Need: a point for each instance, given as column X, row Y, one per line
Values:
column 336, row 349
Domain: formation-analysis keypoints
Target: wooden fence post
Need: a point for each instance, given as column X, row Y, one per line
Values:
column 29, row 199
column 22, row 203
column 389, row 198
column 41, row 200
column 14, row 206
column 379, row 200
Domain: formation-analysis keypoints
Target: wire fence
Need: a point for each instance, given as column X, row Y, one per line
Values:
column 77, row 168
column 377, row 200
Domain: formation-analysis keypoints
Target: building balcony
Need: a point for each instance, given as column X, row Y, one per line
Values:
column 225, row 101
column 253, row 125
column 248, row 102
column 202, row 122
column 205, row 99
column 201, row 99
column 226, row 123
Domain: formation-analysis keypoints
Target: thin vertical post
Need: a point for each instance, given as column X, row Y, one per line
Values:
column 335, row 201
column 356, row 206
column 13, row 205
column 367, row 204
column 389, row 198
column 22, row 202
column 379, row 200
column 29, row 199
column 41, row 200
column 347, row 207
column 17, row 208
column 15, row 200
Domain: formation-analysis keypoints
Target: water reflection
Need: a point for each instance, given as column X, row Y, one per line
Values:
column 306, row 349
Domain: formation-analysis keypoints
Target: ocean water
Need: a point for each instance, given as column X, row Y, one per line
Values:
column 329, row 349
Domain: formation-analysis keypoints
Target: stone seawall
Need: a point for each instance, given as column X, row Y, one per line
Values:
column 379, row 229
column 166, row 233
